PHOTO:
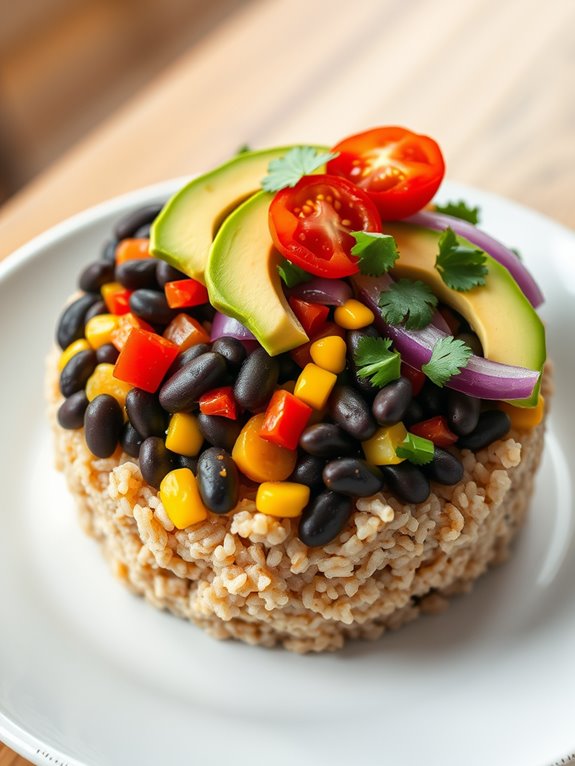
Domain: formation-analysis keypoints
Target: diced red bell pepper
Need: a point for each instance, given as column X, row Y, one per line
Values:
column 285, row 418
column 301, row 355
column 436, row 430
column 145, row 359
column 133, row 250
column 185, row 332
column 185, row 293
column 119, row 302
column 219, row 401
column 312, row 316
column 416, row 377
column 126, row 324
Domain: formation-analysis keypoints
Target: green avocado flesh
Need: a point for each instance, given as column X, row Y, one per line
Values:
column 183, row 232
column 505, row 322
column 243, row 280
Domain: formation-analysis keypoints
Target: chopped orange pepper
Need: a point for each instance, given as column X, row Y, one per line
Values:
column 133, row 250
column 185, row 332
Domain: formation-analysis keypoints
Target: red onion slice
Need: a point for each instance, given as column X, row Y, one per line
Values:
column 329, row 292
column 481, row 378
column 228, row 327
column 502, row 254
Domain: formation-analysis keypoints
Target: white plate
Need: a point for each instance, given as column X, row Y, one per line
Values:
column 92, row 675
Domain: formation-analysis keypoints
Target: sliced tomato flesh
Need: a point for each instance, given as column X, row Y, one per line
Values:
column 399, row 170
column 311, row 224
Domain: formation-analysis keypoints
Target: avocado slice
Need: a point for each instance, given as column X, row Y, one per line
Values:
column 184, row 230
column 243, row 280
column 507, row 325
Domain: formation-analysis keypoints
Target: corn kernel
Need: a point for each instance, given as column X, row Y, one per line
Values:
column 74, row 348
column 181, row 498
column 286, row 499
column 99, row 329
column 524, row 418
column 102, row 381
column 184, row 436
column 353, row 315
column 329, row 353
column 314, row 386
column 259, row 459
column 380, row 449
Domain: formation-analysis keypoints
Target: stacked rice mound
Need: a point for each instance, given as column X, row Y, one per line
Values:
column 248, row 576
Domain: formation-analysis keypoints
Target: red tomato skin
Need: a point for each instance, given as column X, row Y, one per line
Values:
column 422, row 163
column 286, row 226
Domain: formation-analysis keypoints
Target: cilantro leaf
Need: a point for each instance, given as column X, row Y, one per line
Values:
column 461, row 267
column 291, row 274
column 287, row 170
column 460, row 210
column 416, row 449
column 375, row 362
column 448, row 358
column 408, row 302
column 377, row 252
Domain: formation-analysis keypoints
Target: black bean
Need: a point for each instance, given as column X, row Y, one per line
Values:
column 107, row 354
column 218, row 431
column 131, row 440
column 309, row 471
column 75, row 374
column 103, row 421
column 232, row 350
column 155, row 460
column 128, row 224
column 413, row 413
column 288, row 369
column 444, row 468
column 218, row 480
column 145, row 413
column 471, row 339
column 98, row 308
column 166, row 273
column 492, row 425
column 327, row 440
column 95, row 275
column 406, row 481
column 462, row 412
column 72, row 320
column 187, row 356
column 137, row 274
column 432, row 399
column 324, row 518
column 183, row 461
column 350, row 411
column 392, row 402
column 109, row 251
column 151, row 306
column 143, row 232
column 351, row 476
column 256, row 380
column 71, row 412
column 183, row 389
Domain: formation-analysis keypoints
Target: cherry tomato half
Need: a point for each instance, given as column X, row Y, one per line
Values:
column 400, row 170
column 311, row 223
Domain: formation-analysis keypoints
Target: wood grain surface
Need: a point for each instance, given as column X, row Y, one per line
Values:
column 492, row 80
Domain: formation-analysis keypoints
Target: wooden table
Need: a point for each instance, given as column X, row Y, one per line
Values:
column 492, row 80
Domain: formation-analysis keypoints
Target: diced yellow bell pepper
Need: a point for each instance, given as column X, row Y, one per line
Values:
column 380, row 449
column 286, row 499
column 181, row 498
column 259, row 459
column 329, row 353
column 74, row 348
column 524, row 418
column 102, row 381
column 314, row 386
column 184, row 435
column 353, row 315
column 99, row 329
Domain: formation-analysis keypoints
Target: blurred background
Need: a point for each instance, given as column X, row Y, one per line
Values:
column 65, row 65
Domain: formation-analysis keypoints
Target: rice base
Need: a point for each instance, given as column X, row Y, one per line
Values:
column 246, row 575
